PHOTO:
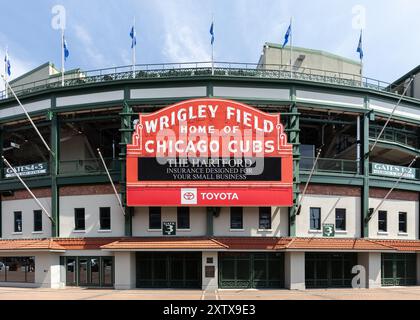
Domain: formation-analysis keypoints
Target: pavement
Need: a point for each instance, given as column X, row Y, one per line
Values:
column 389, row 293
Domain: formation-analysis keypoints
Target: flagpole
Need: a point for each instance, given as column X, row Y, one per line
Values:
column 212, row 48
column 361, row 62
column 134, row 44
column 291, row 47
column 62, row 57
column 6, row 75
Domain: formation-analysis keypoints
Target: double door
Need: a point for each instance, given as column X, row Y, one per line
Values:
column 89, row 271
column 168, row 270
column 251, row 270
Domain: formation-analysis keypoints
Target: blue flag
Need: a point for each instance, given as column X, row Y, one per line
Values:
column 7, row 66
column 212, row 33
column 66, row 49
column 287, row 35
column 133, row 37
column 360, row 47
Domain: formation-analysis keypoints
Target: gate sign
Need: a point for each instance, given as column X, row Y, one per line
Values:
column 388, row 170
column 27, row 171
column 328, row 230
column 169, row 228
column 209, row 152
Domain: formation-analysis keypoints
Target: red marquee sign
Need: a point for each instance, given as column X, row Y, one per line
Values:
column 209, row 152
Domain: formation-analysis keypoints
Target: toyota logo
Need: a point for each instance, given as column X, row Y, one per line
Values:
column 189, row 196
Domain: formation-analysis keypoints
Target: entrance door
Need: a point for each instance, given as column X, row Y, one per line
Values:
column 89, row 271
column 251, row 270
column 168, row 270
column 329, row 270
column 399, row 269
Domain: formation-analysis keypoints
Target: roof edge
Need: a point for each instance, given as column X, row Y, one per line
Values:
column 321, row 52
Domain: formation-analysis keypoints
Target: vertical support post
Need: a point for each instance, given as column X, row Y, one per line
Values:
column 1, row 177
column 365, row 188
column 54, row 162
column 126, row 132
column 294, row 139
column 210, row 213
column 62, row 57
column 358, row 146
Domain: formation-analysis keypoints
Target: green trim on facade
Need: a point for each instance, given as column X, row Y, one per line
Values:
column 293, row 127
column 54, row 163
column 126, row 134
column 332, row 178
column 210, row 220
column 1, row 175
column 210, row 81
column 366, row 173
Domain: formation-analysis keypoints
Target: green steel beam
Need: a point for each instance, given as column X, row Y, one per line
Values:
column 294, row 139
column 91, row 118
column 333, row 178
column 54, row 163
column 324, row 121
column 26, row 127
column 366, row 168
column 126, row 133
column 1, row 176
column 88, row 179
column 210, row 221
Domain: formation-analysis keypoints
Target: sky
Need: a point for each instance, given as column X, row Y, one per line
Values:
column 97, row 31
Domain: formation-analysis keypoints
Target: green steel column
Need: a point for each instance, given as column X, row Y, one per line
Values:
column 126, row 133
column 293, row 128
column 210, row 215
column 365, row 166
column 210, row 90
column 1, row 177
column 54, row 162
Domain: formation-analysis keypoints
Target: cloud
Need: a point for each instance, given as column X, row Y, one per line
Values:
column 185, row 35
column 185, row 45
column 95, row 57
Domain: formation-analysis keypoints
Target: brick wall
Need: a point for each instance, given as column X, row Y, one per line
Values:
column 395, row 195
column 332, row 190
column 83, row 190
column 24, row 194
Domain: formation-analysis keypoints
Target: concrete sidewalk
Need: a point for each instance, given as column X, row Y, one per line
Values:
column 395, row 293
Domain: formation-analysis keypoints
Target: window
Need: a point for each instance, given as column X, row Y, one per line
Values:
column 340, row 219
column 402, row 222
column 37, row 220
column 183, row 215
column 265, row 218
column 315, row 218
column 18, row 221
column 105, row 218
column 79, row 219
column 236, row 218
column 155, row 219
column 382, row 223
column 17, row 269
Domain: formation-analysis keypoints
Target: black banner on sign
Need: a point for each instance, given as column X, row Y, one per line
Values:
column 204, row 169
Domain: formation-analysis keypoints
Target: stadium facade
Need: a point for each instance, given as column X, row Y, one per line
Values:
column 306, row 200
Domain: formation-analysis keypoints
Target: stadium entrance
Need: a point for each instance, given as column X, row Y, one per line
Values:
column 168, row 270
column 251, row 270
column 329, row 270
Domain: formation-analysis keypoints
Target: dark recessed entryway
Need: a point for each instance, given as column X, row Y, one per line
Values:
column 399, row 269
column 251, row 270
column 168, row 270
column 329, row 270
